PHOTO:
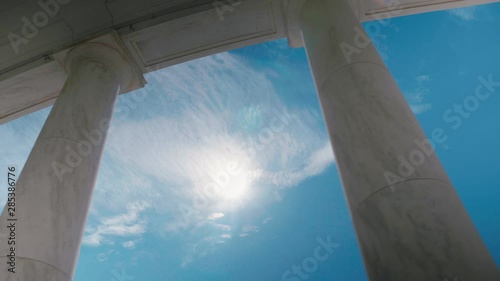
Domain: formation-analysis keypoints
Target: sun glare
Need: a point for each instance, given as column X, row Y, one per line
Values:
column 237, row 188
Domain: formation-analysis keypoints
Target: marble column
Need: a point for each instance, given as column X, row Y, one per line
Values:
column 409, row 220
column 55, row 187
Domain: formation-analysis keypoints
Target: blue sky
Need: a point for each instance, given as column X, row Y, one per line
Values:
column 253, row 114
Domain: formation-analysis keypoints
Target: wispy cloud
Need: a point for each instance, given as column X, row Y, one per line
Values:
column 124, row 225
column 163, row 151
column 422, row 78
column 248, row 229
column 466, row 14
column 417, row 95
column 129, row 244
column 224, row 227
column 315, row 164
column 222, row 108
column 420, row 108
column 175, row 147
column 104, row 256
column 215, row 216
column 200, row 248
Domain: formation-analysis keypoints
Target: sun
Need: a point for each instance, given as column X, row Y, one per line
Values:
column 231, row 180
column 237, row 189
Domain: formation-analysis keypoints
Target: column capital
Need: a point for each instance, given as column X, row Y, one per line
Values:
column 109, row 51
column 291, row 10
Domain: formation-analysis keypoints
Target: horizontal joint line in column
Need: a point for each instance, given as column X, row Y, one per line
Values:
column 63, row 138
column 50, row 265
column 388, row 186
column 347, row 65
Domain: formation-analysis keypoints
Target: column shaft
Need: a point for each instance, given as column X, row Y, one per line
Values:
column 416, row 229
column 55, row 187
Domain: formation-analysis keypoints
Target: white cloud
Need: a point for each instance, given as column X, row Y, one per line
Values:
column 316, row 163
column 418, row 95
column 465, row 14
column 267, row 220
column 423, row 78
column 224, row 115
column 129, row 244
column 223, row 227
column 124, row 225
column 420, row 108
column 248, row 229
column 200, row 249
column 199, row 117
column 104, row 256
column 226, row 236
column 215, row 216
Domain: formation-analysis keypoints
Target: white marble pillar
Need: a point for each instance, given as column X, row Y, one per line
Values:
column 55, row 187
column 416, row 229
